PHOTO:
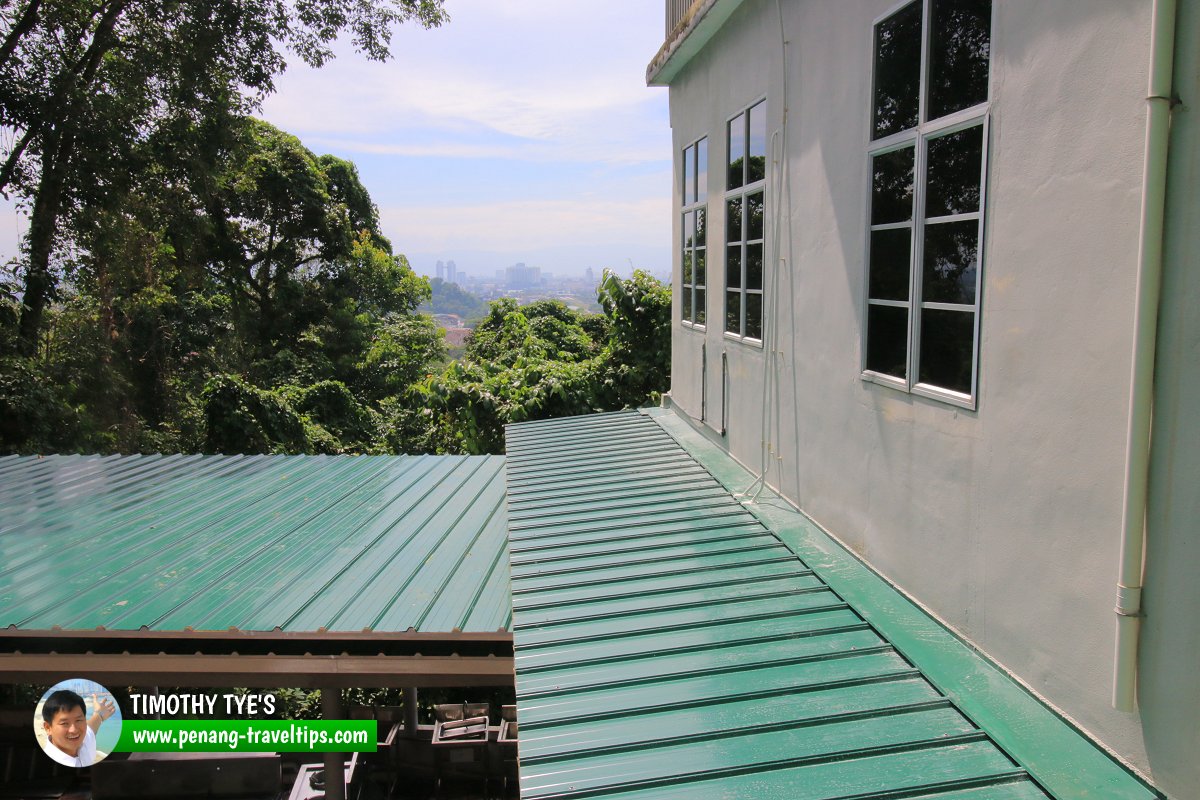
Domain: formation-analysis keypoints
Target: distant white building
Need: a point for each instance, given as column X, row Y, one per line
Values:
column 520, row 276
column 448, row 272
column 917, row 248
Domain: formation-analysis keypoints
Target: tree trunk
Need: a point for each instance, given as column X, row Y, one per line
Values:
column 43, row 226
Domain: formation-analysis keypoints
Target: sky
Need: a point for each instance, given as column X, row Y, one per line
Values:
column 519, row 131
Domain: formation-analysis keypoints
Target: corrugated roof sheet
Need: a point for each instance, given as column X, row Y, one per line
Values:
column 669, row 645
column 254, row 543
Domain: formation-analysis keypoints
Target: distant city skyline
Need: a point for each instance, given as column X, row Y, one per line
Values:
column 475, row 265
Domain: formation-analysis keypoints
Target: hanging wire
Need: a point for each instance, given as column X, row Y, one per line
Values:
column 779, row 185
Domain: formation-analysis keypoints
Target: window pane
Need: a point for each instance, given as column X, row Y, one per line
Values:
column 754, row 214
column 689, row 224
column 887, row 340
column 892, row 186
column 754, row 269
column 951, row 262
column 959, row 47
column 947, row 343
column 897, row 71
column 701, row 314
column 701, row 277
column 757, row 167
column 737, row 151
column 733, row 220
column 891, row 253
column 754, row 316
column 700, row 224
column 702, row 169
column 733, row 266
column 689, row 175
column 733, row 312
column 685, row 304
column 955, row 162
column 687, row 268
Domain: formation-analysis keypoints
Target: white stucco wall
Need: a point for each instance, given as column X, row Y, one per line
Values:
column 1004, row 521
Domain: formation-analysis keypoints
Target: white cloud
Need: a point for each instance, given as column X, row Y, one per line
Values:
column 549, row 80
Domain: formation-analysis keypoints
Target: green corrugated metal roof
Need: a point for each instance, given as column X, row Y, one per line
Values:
column 669, row 644
column 254, row 543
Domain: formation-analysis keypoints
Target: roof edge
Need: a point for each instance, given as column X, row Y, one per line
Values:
column 1062, row 758
column 173, row 669
column 699, row 24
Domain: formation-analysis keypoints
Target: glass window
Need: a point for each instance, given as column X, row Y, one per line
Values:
column 927, row 178
column 693, row 277
column 960, row 46
column 745, row 215
column 737, row 151
column 898, row 71
column 953, row 175
column 756, row 164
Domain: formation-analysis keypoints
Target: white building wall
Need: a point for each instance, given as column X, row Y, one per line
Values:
column 1005, row 520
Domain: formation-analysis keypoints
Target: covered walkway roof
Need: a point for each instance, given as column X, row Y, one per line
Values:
column 354, row 571
column 672, row 642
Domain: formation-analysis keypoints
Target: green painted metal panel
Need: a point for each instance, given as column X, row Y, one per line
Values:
column 668, row 644
column 254, row 543
column 1065, row 762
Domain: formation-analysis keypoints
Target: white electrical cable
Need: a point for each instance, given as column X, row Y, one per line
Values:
column 774, row 264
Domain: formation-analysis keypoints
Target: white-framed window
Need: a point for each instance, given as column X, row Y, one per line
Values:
column 694, row 269
column 928, row 162
column 745, row 213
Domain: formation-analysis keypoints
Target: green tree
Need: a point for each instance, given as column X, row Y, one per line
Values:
column 544, row 360
column 639, row 309
column 450, row 298
column 83, row 81
column 158, row 302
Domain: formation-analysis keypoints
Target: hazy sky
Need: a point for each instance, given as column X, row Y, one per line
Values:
column 522, row 130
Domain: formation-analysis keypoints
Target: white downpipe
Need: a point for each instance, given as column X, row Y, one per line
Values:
column 1141, row 389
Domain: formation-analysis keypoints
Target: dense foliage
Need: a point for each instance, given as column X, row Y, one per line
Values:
column 544, row 360
column 450, row 298
column 97, row 93
column 257, row 310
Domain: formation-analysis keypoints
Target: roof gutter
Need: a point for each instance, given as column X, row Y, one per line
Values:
column 701, row 21
column 1141, row 391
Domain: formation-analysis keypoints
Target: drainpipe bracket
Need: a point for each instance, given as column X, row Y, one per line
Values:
column 1129, row 601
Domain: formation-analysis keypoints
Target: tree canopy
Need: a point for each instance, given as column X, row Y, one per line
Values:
column 84, row 83
column 545, row 360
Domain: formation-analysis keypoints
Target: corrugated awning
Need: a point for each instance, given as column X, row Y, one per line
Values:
column 669, row 644
column 270, row 557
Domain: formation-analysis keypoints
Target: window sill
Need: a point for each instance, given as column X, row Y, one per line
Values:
column 922, row 390
column 693, row 326
column 757, row 344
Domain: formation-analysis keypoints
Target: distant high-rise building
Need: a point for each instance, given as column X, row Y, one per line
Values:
column 451, row 272
column 441, row 271
column 520, row 276
column 589, row 276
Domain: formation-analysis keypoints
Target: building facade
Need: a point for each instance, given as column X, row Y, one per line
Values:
column 910, row 238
